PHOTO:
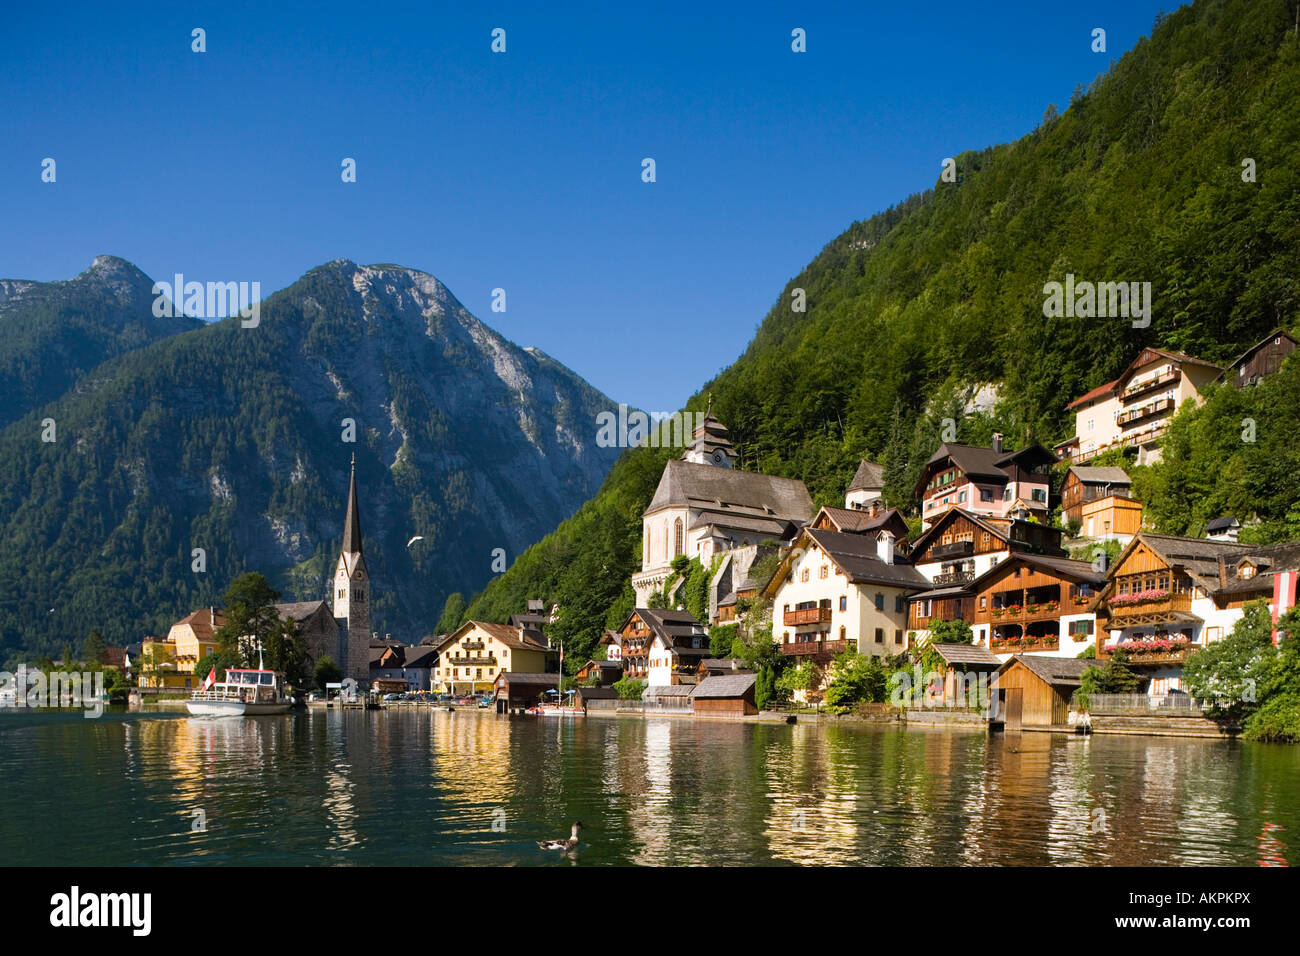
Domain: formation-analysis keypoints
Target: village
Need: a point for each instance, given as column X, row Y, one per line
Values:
column 1042, row 602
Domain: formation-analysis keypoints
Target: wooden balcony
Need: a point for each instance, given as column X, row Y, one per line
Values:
column 811, row 615
column 1173, row 607
column 1141, row 388
column 1146, row 411
column 1022, row 615
column 1150, row 658
column 820, row 648
column 951, row 548
column 953, row 577
column 1022, row 647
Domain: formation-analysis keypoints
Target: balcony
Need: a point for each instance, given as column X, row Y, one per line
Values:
column 472, row 645
column 950, row 578
column 481, row 660
column 1023, row 646
column 952, row 548
column 826, row 648
column 1160, row 608
column 811, row 615
column 1147, row 385
column 1146, row 411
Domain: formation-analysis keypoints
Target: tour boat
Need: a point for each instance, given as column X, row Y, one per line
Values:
column 246, row 692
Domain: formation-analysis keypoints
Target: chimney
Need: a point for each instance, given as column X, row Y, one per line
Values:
column 885, row 547
column 997, row 442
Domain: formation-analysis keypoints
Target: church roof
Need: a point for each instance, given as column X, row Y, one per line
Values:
column 299, row 610
column 868, row 477
column 727, row 491
column 352, row 523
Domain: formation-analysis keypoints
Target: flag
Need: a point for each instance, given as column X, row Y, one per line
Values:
column 210, row 679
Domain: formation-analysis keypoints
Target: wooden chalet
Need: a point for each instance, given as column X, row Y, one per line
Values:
column 958, row 548
column 986, row 481
column 1260, row 360
column 1034, row 603
column 873, row 518
column 662, row 646
column 1084, row 484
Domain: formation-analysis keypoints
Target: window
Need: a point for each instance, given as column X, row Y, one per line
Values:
column 898, row 636
column 900, row 604
column 986, row 494
column 880, row 601
column 961, row 498
column 677, row 537
column 1006, row 493
column 983, row 603
column 823, row 572
column 844, row 603
column 804, row 575
column 1039, row 494
column 880, row 635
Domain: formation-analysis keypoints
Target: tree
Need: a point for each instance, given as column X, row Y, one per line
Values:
column 951, row 632
column 856, row 678
column 629, row 689
column 250, row 616
column 764, row 687
column 453, row 613
column 327, row 672
column 721, row 639
column 1278, row 716
column 803, row 676
column 1114, row 677
column 96, row 651
column 1228, row 674
column 218, row 661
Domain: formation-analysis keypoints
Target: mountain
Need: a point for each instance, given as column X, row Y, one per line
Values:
column 1143, row 178
column 52, row 333
column 233, row 440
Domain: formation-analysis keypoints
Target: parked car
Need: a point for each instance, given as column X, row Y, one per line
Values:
column 389, row 698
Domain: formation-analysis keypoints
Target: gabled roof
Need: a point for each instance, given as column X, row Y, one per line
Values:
column 301, row 610
column 999, row 528
column 983, row 464
column 1149, row 355
column 511, row 637
column 855, row 555
column 674, row 628
column 1199, row 557
column 538, row 680
column 1227, row 522
column 724, row 685
column 1056, row 671
column 966, row 654
column 855, row 521
column 203, row 622
column 1266, row 340
column 728, row 491
column 1101, row 475
column 1062, row 567
column 420, row 656
column 869, row 477
column 1098, row 392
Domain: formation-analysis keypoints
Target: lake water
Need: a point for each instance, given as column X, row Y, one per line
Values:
column 423, row 787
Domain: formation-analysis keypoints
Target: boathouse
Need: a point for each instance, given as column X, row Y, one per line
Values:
column 729, row 695
column 519, row 690
column 1035, row 690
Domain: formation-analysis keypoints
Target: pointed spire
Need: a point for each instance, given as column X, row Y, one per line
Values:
column 352, row 523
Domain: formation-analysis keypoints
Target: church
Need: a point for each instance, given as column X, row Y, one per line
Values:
column 704, row 507
column 340, row 627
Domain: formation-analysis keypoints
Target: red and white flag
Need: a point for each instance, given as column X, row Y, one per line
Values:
column 210, row 679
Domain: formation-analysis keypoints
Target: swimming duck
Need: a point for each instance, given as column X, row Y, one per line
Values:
column 570, row 844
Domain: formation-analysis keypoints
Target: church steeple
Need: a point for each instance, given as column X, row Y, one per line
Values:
column 710, row 446
column 351, row 602
column 352, row 523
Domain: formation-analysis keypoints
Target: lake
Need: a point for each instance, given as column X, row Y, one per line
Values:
column 423, row 787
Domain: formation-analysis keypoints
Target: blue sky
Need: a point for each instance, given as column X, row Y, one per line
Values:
column 519, row 170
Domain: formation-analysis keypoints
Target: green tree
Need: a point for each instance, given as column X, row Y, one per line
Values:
column 856, row 678
column 327, row 672
column 951, row 632
column 1228, row 674
column 629, row 689
column 96, row 650
column 721, row 637
column 250, row 616
column 453, row 613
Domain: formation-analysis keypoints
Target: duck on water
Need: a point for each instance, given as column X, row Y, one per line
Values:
column 570, row 844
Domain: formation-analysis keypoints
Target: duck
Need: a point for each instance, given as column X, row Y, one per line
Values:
column 570, row 844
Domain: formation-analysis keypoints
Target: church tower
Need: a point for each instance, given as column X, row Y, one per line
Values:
column 710, row 444
column 352, row 592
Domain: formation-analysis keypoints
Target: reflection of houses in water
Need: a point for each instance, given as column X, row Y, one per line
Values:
column 816, row 805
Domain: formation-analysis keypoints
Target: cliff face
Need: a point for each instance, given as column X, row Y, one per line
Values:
column 237, row 441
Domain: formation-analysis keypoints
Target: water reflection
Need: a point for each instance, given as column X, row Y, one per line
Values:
column 424, row 787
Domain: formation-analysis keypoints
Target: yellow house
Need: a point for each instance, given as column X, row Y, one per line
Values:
column 476, row 652
column 169, row 663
